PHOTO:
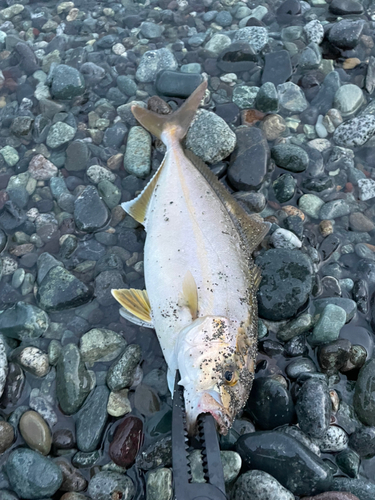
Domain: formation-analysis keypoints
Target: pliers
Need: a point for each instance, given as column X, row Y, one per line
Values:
column 184, row 489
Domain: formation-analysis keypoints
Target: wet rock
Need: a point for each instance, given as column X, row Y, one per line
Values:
column 72, row 479
column 77, row 155
column 267, row 98
column 35, row 432
column 323, row 100
column 34, row 361
column 273, row 126
column 355, row 132
column 335, row 208
column 6, row 436
column 100, row 344
column 310, row 57
column 63, row 439
column 291, row 98
column 231, row 463
column 290, row 157
column 159, row 484
column 156, row 455
column 23, row 321
column 277, row 67
column 348, row 99
column 366, row 189
column 270, row 404
column 259, row 485
column 283, row 271
column 127, row 441
column 67, row 82
column 282, row 238
column 313, row 408
column 32, row 475
column 61, row 290
column 255, row 36
column 60, row 133
column 332, row 495
column 345, row 34
column 146, row 401
column 359, row 222
column 41, row 169
column 286, row 459
column 342, row 8
column 118, row 403
column 109, row 485
column 363, row 442
column 310, row 204
column 364, row 395
column 314, row 31
column 361, row 488
column 154, row 61
column 91, row 420
column 298, row 366
column 121, row 372
column 327, row 329
column 90, row 213
column 284, row 187
column 335, row 439
column 229, row 59
column 138, row 152
column 349, row 462
column 176, row 84
column 72, row 381
column 248, row 163
column 333, row 356
column 209, row 137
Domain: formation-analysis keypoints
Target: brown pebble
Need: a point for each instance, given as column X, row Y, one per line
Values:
column 359, row 222
column 371, row 247
column 333, row 495
column 115, row 161
column 6, row 436
column 20, row 250
column 158, row 105
column 273, row 126
column 351, row 63
column 326, row 227
column 251, row 116
column 72, row 478
column 63, row 439
column 290, row 210
column 117, row 215
column 35, row 432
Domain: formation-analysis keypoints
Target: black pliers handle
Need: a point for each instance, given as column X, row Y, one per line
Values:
column 184, row 489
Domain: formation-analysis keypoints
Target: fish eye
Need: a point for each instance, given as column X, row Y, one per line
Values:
column 230, row 376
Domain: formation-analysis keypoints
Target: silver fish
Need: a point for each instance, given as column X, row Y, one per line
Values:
column 200, row 278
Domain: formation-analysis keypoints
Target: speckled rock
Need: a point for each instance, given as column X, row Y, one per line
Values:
column 60, row 133
column 138, row 152
column 154, row 61
column 100, row 344
column 259, row 485
column 355, row 132
column 3, row 364
column 106, row 485
column 209, row 137
column 255, row 36
column 23, row 321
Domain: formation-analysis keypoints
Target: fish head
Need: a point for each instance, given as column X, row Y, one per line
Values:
column 216, row 363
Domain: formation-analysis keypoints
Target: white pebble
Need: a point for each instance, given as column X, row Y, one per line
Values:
column 118, row 49
column 282, row 238
column 320, row 128
column 35, row 361
column 96, row 173
column 335, row 439
column 366, row 189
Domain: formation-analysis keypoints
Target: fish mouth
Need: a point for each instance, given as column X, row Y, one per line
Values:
column 209, row 402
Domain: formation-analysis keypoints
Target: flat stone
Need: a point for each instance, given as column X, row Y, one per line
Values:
column 291, row 98
column 327, row 329
column 345, row 7
column 288, row 461
column 334, row 209
column 249, row 161
column 100, row 344
column 31, row 475
column 67, row 82
column 23, row 321
column 364, row 396
column 259, row 485
column 159, row 484
column 290, row 157
column 41, row 169
column 92, row 419
column 176, row 84
column 77, row 155
column 90, row 212
column 126, row 441
column 361, row 488
column 154, row 61
column 310, row 204
column 138, row 152
column 286, row 283
column 348, row 99
column 35, row 432
column 313, row 408
column 277, row 67
column 60, row 133
column 345, row 34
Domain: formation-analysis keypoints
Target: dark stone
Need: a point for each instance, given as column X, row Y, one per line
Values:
column 90, row 250
column 176, row 84
column 77, row 156
column 267, row 99
column 91, row 419
column 249, row 160
column 127, row 441
column 67, row 82
column 333, row 356
column 14, row 386
column 72, row 380
column 288, row 11
column 238, row 56
column 23, row 321
column 12, row 216
column 313, row 407
column 286, row 283
column 344, row 7
column 63, row 439
column 229, row 112
column 346, row 33
column 318, row 184
column 61, row 290
column 290, row 157
column 364, row 395
column 290, row 462
column 90, row 212
column 27, row 59
column 114, row 136
column 284, row 187
column 363, row 442
column 363, row 489
column 270, row 404
column 360, row 295
column 349, row 462
column 329, row 245
column 277, row 67
column 104, row 282
column 323, row 101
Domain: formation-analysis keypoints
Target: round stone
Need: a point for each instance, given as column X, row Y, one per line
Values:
column 35, row 432
column 348, row 99
column 108, row 485
column 286, row 283
column 6, row 436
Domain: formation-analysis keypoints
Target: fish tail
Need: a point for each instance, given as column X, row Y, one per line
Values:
column 175, row 125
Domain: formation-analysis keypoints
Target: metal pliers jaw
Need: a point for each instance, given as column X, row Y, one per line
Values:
column 184, row 489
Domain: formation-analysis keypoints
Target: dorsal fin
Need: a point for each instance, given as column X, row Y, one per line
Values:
column 137, row 207
column 251, row 228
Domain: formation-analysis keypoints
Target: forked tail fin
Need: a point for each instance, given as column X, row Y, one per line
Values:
column 175, row 124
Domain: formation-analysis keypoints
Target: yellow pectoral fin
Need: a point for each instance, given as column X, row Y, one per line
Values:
column 189, row 296
column 136, row 302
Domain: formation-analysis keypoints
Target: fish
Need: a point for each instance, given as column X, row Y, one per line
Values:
column 201, row 281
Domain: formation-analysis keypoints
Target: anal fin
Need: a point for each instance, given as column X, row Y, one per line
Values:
column 136, row 306
column 189, row 297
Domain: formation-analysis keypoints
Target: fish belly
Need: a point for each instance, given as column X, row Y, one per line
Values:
column 189, row 229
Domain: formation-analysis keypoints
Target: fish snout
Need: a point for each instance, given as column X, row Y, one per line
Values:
column 209, row 402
